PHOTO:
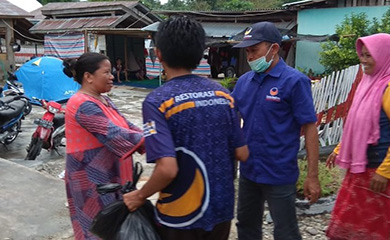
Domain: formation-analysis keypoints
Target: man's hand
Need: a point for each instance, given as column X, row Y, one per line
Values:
column 165, row 171
column 378, row 183
column 312, row 189
column 330, row 161
column 133, row 200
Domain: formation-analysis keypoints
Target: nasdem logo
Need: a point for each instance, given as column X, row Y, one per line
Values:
column 274, row 91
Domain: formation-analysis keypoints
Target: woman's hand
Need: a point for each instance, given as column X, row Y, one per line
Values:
column 330, row 162
column 378, row 183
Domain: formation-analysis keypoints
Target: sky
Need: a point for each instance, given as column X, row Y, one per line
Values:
column 31, row 5
column 26, row 5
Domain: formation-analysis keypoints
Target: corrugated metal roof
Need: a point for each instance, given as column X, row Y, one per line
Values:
column 37, row 13
column 302, row 3
column 212, row 29
column 10, row 10
column 74, row 24
column 283, row 27
column 77, row 7
column 225, row 29
column 74, row 5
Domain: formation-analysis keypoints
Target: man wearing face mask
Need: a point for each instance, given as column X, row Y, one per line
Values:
column 275, row 103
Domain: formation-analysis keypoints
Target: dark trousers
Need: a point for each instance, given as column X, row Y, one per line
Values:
column 250, row 210
column 220, row 232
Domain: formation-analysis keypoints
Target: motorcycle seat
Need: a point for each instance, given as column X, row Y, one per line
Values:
column 58, row 120
column 7, row 99
column 11, row 110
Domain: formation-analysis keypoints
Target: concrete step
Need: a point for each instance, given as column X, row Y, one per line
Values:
column 32, row 204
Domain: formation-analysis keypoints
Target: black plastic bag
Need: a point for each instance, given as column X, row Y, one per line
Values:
column 108, row 221
column 139, row 225
column 116, row 222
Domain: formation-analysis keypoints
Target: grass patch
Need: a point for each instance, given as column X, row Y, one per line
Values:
column 330, row 179
column 228, row 83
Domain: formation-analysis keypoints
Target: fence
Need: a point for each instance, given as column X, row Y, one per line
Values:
column 332, row 97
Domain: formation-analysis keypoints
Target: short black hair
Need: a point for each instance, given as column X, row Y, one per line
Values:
column 88, row 62
column 181, row 41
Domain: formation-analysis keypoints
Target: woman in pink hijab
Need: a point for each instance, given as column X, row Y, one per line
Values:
column 362, row 209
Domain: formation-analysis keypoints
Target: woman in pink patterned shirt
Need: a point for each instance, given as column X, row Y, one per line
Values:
column 99, row 141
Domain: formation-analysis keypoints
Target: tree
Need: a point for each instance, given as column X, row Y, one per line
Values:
column 212, row 4
column 383, row 25
column 237, row 5
column 339, row 55
column 196, row 5
column 175, row 5
column 342, row 54
column 222, row 5
column 152, row 4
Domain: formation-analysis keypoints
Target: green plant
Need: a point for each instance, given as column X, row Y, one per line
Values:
column 237, row 5
column 228, row 83
column 337, row 55
column 330, row 179
column 312, row 75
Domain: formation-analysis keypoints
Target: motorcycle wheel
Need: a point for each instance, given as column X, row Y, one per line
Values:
column 34, row 149
column 57, row 141
column 14, row 132
column 27, row 109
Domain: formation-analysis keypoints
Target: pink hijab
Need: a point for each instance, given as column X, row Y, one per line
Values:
column 362, row 125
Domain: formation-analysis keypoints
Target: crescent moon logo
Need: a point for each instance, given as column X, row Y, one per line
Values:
column 186, row 199
column 249, row 30
column 185, row 205
column 274, row 91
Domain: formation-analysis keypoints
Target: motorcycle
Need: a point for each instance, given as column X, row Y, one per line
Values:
column 15, row 88
column 11, row 115
column 50, row 130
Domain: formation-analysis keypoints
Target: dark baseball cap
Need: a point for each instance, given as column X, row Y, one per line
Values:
column 260, row 32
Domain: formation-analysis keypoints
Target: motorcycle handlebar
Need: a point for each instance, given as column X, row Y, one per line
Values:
column 44, row 104
column 11, row 76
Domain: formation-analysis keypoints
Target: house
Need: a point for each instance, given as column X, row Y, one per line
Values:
column 320, row 17
column 31, row 49
column 14, row 27
column 225, row 28
column 111, row 28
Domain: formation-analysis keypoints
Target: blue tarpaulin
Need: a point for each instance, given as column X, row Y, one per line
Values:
column 43, row 78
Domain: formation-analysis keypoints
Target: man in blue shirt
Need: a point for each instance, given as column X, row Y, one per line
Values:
column 193, row 135
column 275, row 103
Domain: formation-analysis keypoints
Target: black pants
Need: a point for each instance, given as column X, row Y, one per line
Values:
column 220, row 232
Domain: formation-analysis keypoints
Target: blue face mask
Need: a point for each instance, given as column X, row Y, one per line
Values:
column 260, row 65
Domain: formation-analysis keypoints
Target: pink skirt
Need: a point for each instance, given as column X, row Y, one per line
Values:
column 359, row 213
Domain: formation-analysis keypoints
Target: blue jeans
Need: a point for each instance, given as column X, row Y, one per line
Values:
column 250, row 210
